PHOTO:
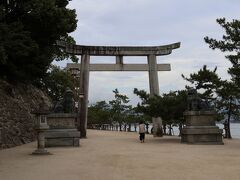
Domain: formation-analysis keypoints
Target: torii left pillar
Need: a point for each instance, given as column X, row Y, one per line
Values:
column 84, row 87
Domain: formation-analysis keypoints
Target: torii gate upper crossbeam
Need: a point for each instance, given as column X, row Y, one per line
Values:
column 118, row 50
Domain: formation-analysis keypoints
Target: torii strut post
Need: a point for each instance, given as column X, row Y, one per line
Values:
column 119, row 51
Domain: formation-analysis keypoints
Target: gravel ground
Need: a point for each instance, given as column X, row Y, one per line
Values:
column 106, row 155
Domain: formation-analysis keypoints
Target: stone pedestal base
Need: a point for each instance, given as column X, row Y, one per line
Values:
column 62, row 130
column 62, row 137
column 41, row 152
column 200, row 128
column 157, row 127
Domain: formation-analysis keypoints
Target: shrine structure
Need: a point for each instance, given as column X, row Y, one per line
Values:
column 84, row 67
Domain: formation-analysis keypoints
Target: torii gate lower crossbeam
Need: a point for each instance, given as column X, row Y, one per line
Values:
column 85, row 67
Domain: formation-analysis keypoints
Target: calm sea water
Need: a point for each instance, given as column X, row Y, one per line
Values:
column 235, row 129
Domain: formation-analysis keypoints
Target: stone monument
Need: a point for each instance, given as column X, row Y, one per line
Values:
column 200, row 127
column 62, row 124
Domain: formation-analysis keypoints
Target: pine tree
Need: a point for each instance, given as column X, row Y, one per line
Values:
column 169, row 106
column 230, row 43
column 119, row 107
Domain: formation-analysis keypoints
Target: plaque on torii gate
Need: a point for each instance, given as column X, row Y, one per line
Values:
column 119, row 52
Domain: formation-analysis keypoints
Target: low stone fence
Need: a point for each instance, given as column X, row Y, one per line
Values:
column 117, row 127
column 111, row 127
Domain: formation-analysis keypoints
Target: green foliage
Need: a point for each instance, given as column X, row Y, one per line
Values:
column 132, row 116
column 56, row 81
column 175, row 104
column 230, row 42
column 61, row 54
column 116, row 111
column 229, row 91
column 99, row 113
column 119, row 107
column 228, row 102
column 220, row 93
column 29, row 30
column 169, row 107
column 206, row 81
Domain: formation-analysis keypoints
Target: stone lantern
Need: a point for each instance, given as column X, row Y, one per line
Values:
column 41, row 126
column 75, row 74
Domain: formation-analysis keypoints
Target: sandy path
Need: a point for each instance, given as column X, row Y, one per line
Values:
column 114, row 155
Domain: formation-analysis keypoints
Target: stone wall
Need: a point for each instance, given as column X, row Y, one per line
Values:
column 16, row 121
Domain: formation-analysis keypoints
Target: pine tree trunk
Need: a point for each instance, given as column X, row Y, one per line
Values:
column 147, row 126
column 180, row 129
column 164, row 129
column 129, row 127
column 170, row 130
column 227, row 128
column 125, row 127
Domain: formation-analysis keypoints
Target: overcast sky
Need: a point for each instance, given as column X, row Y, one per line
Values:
column 152, row 22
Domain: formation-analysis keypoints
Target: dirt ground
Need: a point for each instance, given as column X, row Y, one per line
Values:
column 106, row 155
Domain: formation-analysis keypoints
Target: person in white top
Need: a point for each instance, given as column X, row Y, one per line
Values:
column 142, row 132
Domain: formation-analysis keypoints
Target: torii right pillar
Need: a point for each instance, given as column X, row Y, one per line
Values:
column 154, row 90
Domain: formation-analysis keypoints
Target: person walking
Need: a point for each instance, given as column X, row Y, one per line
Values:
column 141, row 131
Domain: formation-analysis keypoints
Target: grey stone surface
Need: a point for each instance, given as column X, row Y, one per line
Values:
column 201, row 128
column 200, row 118
column 41, row 139
column 63, row 137
column 41, row 152
column 68, row 133
column 62, row 120
column 84, row 87
column 154, row 90
column 0, row 136
column 120, row 67
column 118, row 50
column 16, row 119
column 62, row 130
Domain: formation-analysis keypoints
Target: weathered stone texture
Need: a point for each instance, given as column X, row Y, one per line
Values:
column 61, row 121
column 62, row 130
column 16, row 121
column 201, row 128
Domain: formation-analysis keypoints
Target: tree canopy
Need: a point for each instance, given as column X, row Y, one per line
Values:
column 229, row 90
column 169, row 106
column 29, row 30
column 230, row 43
column 119, row 106
column 115, row 112
column 56, row 82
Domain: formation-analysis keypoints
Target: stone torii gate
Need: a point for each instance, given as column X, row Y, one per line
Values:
column 119, row 52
